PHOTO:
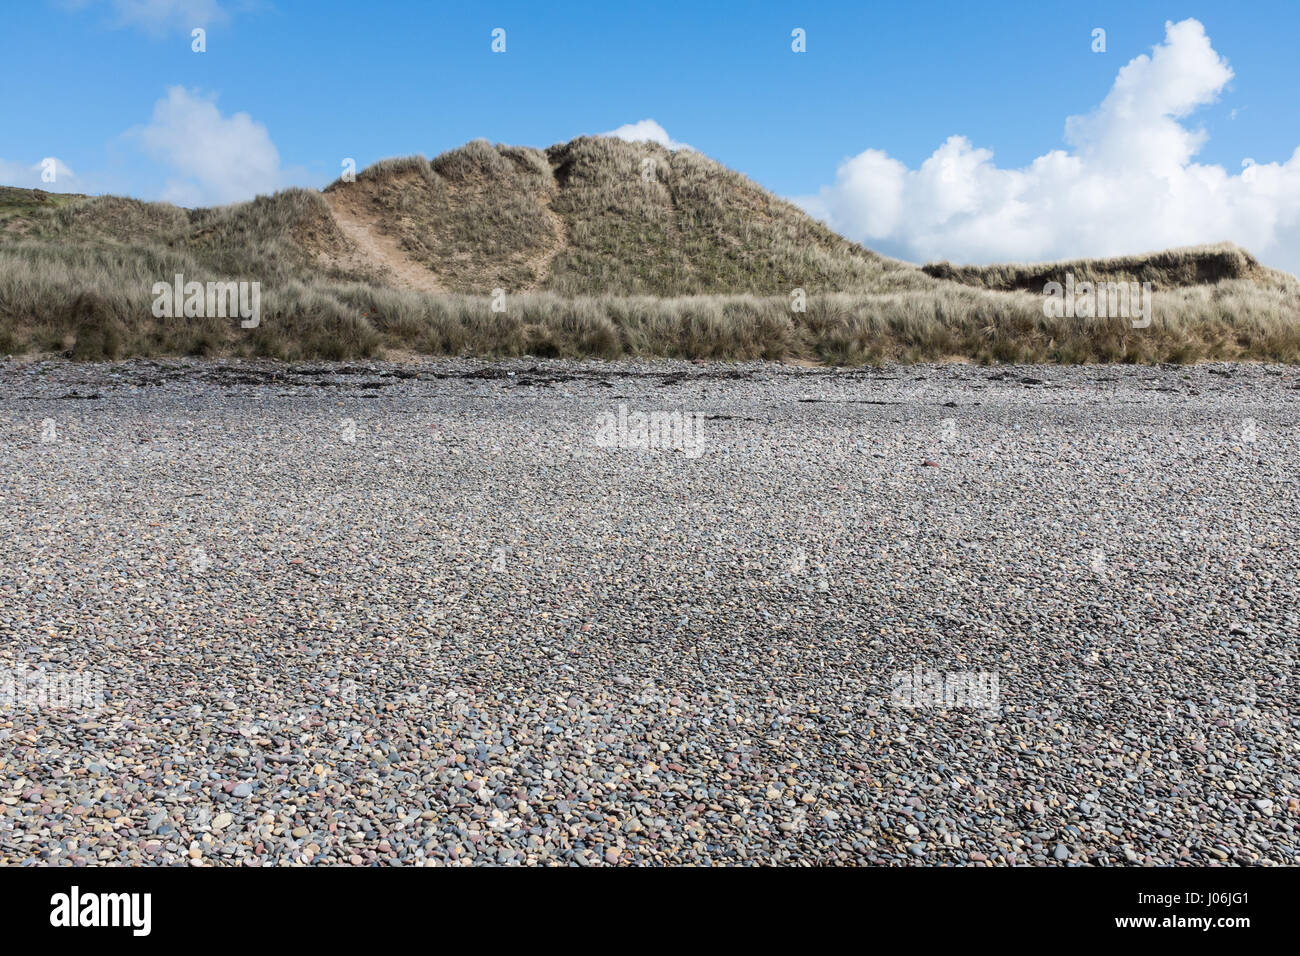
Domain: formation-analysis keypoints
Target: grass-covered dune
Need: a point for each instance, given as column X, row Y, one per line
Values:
column 595, row 247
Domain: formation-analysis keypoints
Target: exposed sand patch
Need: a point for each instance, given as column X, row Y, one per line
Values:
column 541, row 264
column 380, row 250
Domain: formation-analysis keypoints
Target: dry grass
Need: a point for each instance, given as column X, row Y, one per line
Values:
column 476, row 217
column 693, row 261
column 40, row 312
column 1169, row 269
column 690, row 226
column 589, row 218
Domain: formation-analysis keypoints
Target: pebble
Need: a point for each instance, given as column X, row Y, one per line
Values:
column 462, row 631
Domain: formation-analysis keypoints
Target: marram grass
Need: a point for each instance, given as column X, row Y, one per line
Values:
column 601, row 249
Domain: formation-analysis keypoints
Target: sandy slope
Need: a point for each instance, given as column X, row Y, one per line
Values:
column 379, row 249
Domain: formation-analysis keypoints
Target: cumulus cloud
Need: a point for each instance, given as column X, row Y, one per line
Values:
column 33, row 176
column 1128, row 183
column 646, row 131
column 215, row 159
column 157, row 16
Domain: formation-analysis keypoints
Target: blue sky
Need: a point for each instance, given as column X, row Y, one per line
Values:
column 325, row 80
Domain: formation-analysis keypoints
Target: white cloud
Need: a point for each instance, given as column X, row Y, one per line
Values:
column 1127, row 184
column 217, row 159
column 157, row 16
column 646, row 131
column 21, row 174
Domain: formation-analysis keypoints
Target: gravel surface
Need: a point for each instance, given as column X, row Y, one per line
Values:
column 424, row 613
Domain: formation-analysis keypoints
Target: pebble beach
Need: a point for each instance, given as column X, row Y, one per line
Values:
column 428, row 613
